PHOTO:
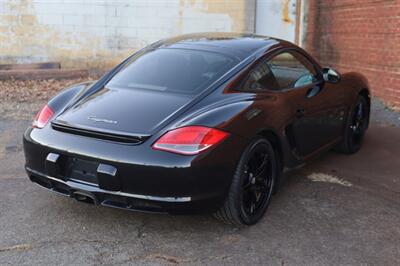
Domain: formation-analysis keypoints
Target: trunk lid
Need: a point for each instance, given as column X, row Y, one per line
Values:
column 124, row 112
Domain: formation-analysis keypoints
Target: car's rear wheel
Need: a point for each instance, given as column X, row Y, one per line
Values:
column 356, row 126
column 252, row 185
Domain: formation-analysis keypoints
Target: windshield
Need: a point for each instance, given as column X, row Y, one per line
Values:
column 173, row 70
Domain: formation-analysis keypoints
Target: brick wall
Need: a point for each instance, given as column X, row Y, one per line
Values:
column 360, row 35
column 93, row 33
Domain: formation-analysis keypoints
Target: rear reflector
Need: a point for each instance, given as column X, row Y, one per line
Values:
column 189, row 140
column 43, row 117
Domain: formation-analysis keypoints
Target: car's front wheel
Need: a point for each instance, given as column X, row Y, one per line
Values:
column 252, row 185
column 356, row 126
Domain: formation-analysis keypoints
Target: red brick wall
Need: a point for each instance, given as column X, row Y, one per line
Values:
column 359, row 35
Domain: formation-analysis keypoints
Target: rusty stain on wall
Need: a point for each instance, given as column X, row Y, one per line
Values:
column 285, row 12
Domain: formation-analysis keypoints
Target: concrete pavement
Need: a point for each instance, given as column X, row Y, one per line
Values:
column 338, row 210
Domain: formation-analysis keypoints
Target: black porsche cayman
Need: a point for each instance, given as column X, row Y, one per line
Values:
column 205, row 122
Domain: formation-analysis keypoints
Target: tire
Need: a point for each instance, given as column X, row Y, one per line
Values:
column 250, row 193
column 355, row 128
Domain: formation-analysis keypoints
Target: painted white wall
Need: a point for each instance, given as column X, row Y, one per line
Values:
column 93, row 30
column 134, row 23
column 276, row 18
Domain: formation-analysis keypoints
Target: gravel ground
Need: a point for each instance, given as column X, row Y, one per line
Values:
column 383, row 114
column 338, row 210
column 22, row 99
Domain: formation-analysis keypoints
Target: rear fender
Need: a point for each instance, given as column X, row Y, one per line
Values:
column 217, row 117
column 59, row 102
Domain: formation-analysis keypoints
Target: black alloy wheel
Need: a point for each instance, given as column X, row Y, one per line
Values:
column 359, row 122
column 356, row 127
column 252, row 185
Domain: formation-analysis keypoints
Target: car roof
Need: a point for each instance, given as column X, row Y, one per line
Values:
column 234, row 44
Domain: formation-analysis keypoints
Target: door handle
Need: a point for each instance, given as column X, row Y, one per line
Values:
column 313, row 91
column 300, row 112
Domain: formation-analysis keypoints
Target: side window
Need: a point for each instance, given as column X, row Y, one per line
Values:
column 286, row 70
column 292, row 70
column 261, row 77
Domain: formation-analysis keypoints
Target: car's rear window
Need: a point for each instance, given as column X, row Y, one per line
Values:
column 173, row 70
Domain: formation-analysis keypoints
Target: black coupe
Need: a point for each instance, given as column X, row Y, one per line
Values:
column 202, row 122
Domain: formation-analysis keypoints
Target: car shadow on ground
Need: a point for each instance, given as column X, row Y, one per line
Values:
column 338, row 171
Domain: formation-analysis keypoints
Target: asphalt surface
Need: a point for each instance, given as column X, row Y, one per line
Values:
column 338, row 210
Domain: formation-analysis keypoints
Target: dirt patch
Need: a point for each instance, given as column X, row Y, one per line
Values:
column 21, row 247
column 21, row 99
column 33, row 90
column 321, row 177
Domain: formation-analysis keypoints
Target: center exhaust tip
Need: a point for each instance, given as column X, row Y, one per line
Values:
column 84, row 197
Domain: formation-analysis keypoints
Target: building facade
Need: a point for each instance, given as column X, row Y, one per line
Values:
column 100, row 33
column 358, row 35
column 350, row 35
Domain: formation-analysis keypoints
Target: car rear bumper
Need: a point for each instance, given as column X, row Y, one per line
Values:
column 121, row 200
column 146, row 180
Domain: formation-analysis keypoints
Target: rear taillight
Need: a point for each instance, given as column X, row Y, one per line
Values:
column 189, row 140
column 43, row 117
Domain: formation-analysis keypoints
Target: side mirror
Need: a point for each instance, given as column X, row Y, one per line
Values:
column 331, row 75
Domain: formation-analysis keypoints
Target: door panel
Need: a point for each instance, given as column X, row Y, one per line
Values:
column 318, row 119
column 317, row 108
